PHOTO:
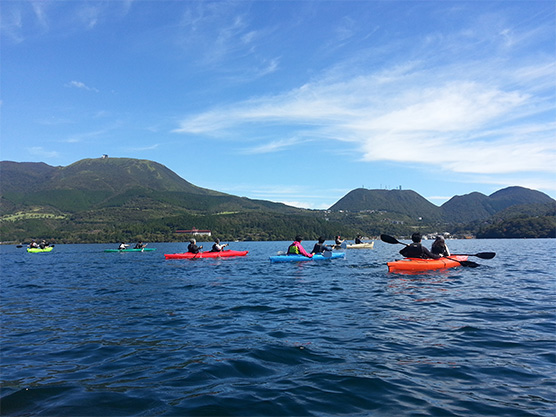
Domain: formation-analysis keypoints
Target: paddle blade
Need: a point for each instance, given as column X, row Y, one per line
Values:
column 469, row 264
column 486, row 255
column 344, row 245
column 482, row 255
column 327, row 254
column 388, row 239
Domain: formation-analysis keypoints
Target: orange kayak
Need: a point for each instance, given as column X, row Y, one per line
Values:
column 418, row 264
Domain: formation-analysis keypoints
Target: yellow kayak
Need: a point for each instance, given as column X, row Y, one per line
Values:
column 365, row 245
column 39, row 250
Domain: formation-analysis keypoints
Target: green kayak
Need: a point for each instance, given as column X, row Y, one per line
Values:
column 130, row 250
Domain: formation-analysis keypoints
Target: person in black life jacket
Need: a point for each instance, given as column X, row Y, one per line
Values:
column 217, row 247
column 439, row 247
column 192, row 247
column 417, row 250
column 358, row 240
column 320, row 247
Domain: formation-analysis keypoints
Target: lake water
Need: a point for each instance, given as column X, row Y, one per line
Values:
column 88, row 333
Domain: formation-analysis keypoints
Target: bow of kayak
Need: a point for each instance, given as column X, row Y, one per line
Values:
column 417, row 264
column 200, row 255
column 301, row 258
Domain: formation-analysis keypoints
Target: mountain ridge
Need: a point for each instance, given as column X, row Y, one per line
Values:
column 406, row 202
column 108, row 199
column 461, row 209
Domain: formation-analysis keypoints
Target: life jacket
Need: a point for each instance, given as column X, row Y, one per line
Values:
column 414, row 250
column 293, row 249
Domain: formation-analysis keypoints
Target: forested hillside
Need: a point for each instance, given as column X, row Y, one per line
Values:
column 114, row 199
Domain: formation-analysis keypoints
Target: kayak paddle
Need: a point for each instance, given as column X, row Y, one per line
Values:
column 482, row 255
column 390, row 239
column 469, row 264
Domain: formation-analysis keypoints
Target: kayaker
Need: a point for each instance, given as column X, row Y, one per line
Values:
column 43, row 244
column 358, row 240
column 123, row 246
column 417, row 250
column 217, row 247
column 338, row 240
column 439, row 247
column 192, row 247
column 33, row 244
column 139, row 245
column 296, row 249
column 320, row 247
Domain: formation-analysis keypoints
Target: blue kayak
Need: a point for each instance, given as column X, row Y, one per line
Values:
column 301, row 258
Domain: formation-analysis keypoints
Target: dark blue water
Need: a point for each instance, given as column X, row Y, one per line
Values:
column 87, row 333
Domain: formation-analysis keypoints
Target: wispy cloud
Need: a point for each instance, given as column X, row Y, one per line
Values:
column 273, row 146
column 40, row 152
column 143, row 148
column 222, row 38
column 478, row 114
column 11, row 23
column 217, row 30
column 21, row 20
column 40, row 10
column 81, row 85
column 83, row 137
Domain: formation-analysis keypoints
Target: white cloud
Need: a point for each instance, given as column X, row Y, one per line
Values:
column 11, row 23
column 39, row 8
column 273, row 146
column 40, row 152
column 22, row 20
column 81, row 85
column 83, row 137
column 460, row 121
column 144, row 148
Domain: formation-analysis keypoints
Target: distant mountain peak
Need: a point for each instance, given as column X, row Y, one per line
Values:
column 406, row 202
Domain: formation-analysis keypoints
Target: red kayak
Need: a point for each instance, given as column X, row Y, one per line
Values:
column 418, row 264
column 207, row 254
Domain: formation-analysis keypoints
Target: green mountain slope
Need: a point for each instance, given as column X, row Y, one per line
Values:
column 29, row 176
column 105, row 199
column 113, row 182
column 113, row 175
column 468, row 207
column 512, row 196
column 477, row 206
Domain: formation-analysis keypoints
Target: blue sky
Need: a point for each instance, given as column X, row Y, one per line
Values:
column 291, row 101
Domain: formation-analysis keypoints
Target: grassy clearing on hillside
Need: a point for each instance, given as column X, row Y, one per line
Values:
column 24, row 215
